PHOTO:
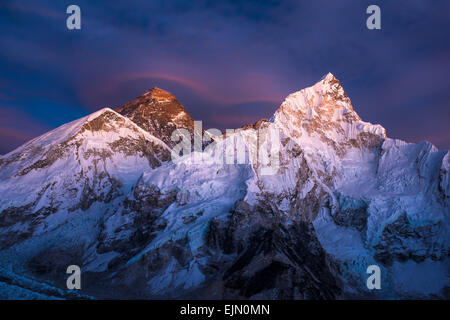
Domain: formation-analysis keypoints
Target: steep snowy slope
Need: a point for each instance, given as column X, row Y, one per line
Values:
column 94, row 159
column 102, row 193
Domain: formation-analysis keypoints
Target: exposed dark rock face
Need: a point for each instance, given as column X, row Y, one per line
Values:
column 52, row 263
column 28, row 216
column 271, row 260
column 107, row 121
column 135, row 222
column 255, row 125
column 154, row 153
column 402, row 241
column 159, row 113
column 352, row 213
column 283, row 263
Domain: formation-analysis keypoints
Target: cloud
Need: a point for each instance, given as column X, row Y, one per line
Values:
column 222, row 59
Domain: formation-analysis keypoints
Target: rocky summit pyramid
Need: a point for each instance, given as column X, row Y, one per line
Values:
column 102, row 193
column 159, row 113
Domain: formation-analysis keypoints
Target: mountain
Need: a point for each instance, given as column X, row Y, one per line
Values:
column 159, row 113
column 102, row 193
column 90, row 160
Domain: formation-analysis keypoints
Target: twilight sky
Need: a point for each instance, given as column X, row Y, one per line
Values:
column 228, row 62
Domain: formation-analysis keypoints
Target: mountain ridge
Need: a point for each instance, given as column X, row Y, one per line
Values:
column 345, row 196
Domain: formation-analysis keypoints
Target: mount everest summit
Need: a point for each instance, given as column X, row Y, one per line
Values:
column 102, row 193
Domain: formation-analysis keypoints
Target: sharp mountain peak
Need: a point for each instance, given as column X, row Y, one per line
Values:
column 158, row 94
column 329, row 77
column 158, row 112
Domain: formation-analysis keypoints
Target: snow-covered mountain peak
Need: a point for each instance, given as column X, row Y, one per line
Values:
column 107, row 120
column 329, row 84
column 323, row 115
column 100, row 134
column 323, row 99
column 329, row 77
column 93, row 159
